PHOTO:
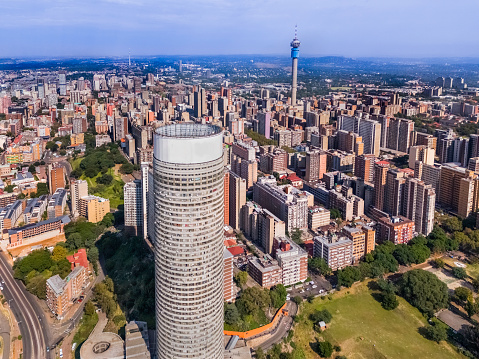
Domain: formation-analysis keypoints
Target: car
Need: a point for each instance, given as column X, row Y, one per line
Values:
column 315, row 286
column 1, row 288
column 321, row 291
column 80, row 300
column 302, row 291
column 48, row 349
column 311, row 282
column 61, row 353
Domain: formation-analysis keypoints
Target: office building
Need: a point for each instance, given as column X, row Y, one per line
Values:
column 228, row 285
column 61, row 292
column 189, row 170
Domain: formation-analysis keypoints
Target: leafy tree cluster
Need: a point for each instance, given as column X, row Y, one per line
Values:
column 319, row 266
column 415, row 252
column 324, row 349
column 424, row 291
column 335, row 213
column 130, row 264
column 42, row 188
column 248, row 312
column 105, row 297
column 99, row 160
column 320, row 315
column 82, row 234
column 276, row 352
column 436, row 332
column 297, row 235
column 241, row 278
column 38, row 266
column 262, row 140
column 388, row 294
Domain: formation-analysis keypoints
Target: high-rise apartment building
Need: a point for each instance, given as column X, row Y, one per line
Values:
column 399, row 134
column 380, row 172
column 189, row 184
column 133, row 207
column 316, row 162
column 78, row 189
column 419, row 204
column 396, row 229
column 264, row 123
column 62, row 80
column 236, row 198
column 421, row 153
column 364, row 167
column 56, row 178
column 286, row 202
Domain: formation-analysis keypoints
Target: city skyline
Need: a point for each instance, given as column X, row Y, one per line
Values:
column 112, row 27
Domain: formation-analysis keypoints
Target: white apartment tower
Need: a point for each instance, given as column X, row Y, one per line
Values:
column 188, row 188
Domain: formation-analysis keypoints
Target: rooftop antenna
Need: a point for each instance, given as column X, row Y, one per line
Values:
column 129, row 58
column 296, row 31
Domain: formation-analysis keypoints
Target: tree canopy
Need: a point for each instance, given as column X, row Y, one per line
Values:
column 424, row 291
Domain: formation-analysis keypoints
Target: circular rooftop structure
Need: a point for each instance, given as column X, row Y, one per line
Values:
column 188, row 143
column 188, row 130
column 104, row 345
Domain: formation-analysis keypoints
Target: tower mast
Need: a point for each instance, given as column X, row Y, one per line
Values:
column 294, row 55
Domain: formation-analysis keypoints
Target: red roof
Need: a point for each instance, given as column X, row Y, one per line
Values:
column 79, row 259
column 236, row 251
column 293, row 177
column 383, row 163
column 230, row 242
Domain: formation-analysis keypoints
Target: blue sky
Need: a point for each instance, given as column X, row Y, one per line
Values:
column 353, row 28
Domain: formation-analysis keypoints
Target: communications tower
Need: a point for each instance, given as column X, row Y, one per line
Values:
column 294, row 55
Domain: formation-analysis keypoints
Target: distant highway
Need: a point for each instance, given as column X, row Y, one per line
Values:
column 28, row 314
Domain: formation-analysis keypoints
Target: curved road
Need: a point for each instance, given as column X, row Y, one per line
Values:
column 29, row 316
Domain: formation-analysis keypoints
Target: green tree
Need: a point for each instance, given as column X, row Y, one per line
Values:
column 462, row 293
column 321, row 315
column 32, row 169
column 260, row 353
column 105, row 179
column 335, row 213
column 241, row 278
column 436, row 333
column 232, row 315
column 389, row 301
column 325, row 349
column 278, row 295
column 59, row 253
column 319, row 266
column 89, row 308
column 459, row 273
column 126, row 168
column 37, row 286
column 297, row 235
column 424, row 290
column 348, row 275
column 297, row 300
column 9, row 188
column 452, row 224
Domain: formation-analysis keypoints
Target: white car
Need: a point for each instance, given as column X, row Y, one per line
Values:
column 1, row 288
column 311, row 282
column 315, row 286
column 61, row 353
column 302, row 291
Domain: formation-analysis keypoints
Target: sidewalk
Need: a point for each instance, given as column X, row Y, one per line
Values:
column 13, row 346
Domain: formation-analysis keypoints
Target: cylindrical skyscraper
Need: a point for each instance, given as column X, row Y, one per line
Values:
column 294, row 55
column 188, row 190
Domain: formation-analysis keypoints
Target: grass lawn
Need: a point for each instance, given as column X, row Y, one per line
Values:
column 87, row 325
column 471, row 269
column 114, row 191
column 364, row 330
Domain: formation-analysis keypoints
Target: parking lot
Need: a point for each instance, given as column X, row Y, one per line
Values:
column 318, row 285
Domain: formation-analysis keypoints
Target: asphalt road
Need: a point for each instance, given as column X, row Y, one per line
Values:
column 29, row 316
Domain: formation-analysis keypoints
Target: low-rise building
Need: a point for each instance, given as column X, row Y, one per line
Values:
column 318, row 217
column 10, row 214
column 396, row 229
column 336, row 251
column 265, row 271
column 16, row 236
column 57, row 203
column 61, row 292
column 292, row 259
column 34, row 210
column 94, row 208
